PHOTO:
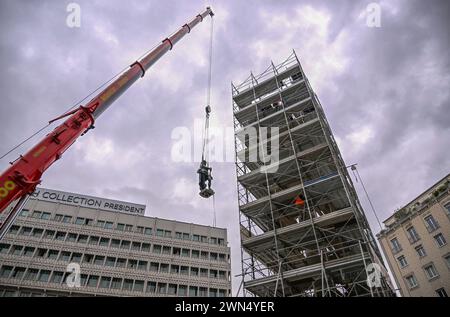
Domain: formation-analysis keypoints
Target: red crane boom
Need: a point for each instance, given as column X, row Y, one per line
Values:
column 22, row 177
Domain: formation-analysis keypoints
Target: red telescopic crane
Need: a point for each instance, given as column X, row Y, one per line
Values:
column 22, row 177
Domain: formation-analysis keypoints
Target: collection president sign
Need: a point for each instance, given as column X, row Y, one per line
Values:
column 56, row 196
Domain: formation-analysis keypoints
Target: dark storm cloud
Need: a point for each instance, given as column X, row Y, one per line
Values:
column 385, row 91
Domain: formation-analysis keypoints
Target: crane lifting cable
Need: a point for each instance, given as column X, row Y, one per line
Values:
column 205, row 170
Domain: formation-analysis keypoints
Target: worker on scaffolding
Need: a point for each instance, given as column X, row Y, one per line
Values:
column 204, row 173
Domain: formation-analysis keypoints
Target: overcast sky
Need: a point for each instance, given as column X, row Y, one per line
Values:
column 385, row 92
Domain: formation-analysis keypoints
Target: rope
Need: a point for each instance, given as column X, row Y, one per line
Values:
column 214, row 210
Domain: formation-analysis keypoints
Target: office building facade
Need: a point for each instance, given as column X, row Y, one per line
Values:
column 66, row 244
column 416, row 243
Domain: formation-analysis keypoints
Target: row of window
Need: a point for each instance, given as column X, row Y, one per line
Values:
column 431, row 273
column 108, row 282
column 113, row 261
column 122, row 227
column 396, row 246
column 116, row 243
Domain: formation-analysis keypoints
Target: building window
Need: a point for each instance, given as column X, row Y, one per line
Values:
column 104, row 242
column 108, row 225
column 132, row 264
column 105, row 282
column 441, row 292
column 16, row 249
column 94, row 240
column 395, row 246
column 440, row 240
column 5, row 271
column 172, row 289
column 176, row 251
column 4, row 248
column 148, row 231
column 76, row 257
column 120, row 227
column 184, row 270
column 167, row 234
column 31, row 274
column 420, row 251
column 186, row 236
column 412, row 281
column 71, row 237
column 204, row 255
column 45, row 216
column 204, row 239
column 222, row 293
column 185, row 253
column 92, row 281
column 203, row 272
column 79, row 221
column 60, row 236
column 37, row 233
column 127, row 285
column 447, row 260
column 145, row 247
column 431, row 272
column 53, row 254
column 110, row 261
column 194, row 271
column 195, row 254
column 182, row 290
column 28, row 251
column 157, row 249
column 57, row 277
column 24, row 212
column 213, row 240
column 14, row 229
column 164, row 268
column 159, row 232
column 212, row 273
column 88, row 258
column 64, row 256
column 212, row 292
column 166, row 250
column 121, row 262
column 222, row 275
column 138, row 286
column 203, row 291
column 125, row 245
column 101, row 223
column 193, row 291
column 115, row 243
column 49, row 234
column 26, row 231
column 447, row 208
column 58, row 217
column 116, row 283
column 142, row 265
column 67, row 219
column 431, row 223
column 99, row 260
column 413, row 236
column 136, row 246
column 162, row 288
column 213, row 256
column 36, row 214
column 151, row 287
column 221, row 241
column 82, row 238
column 222, row 257
column 402, row 261
column 178, row 235
column 196, row 238
column 154, row 267
column 174, row 269
column 44, row 275
column 128, row 228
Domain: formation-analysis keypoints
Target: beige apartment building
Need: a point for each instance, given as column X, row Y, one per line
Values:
column 118, row 251
column 416, row 243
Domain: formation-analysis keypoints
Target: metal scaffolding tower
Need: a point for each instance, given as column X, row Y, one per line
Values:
column 303, row 230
